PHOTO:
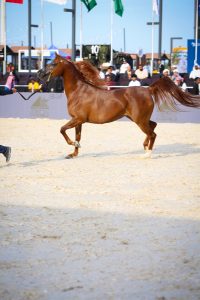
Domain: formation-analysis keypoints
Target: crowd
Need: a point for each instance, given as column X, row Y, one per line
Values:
column 124, row 76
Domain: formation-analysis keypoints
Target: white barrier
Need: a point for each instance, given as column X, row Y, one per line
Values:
column 54, row 106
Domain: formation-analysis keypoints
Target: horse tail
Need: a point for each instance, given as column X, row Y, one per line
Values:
column 166, row 95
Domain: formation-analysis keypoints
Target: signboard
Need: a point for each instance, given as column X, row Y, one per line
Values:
column 191, row 54
column 179, row 58
column 97, row 54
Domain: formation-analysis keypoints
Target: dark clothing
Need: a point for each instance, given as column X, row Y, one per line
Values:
column 3, row 149
column 5, row 92
column 195, row 89
column 111, row 75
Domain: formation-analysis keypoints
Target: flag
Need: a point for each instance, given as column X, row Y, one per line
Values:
column 119, row 9
column 90, row 4
column 155, row 6
column 60, row 2
column 15, row 1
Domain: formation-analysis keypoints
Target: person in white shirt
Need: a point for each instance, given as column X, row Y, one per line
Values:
column 134, row 81
column 195, row 72
column 141, row 73
column 124, row 67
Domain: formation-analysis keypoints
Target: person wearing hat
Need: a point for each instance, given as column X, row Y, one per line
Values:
column 179, row 81
column 165, row 73
column 134, row 81
column 195, row 72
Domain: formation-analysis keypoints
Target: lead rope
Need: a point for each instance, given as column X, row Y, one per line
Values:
column 28, row 96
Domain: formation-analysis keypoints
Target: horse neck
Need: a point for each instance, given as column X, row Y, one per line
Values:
column 71, row 77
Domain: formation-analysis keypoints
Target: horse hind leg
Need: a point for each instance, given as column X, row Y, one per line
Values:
column 147, row 141
column 148, row 129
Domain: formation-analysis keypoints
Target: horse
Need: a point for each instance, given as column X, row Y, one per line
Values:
column 88, row 100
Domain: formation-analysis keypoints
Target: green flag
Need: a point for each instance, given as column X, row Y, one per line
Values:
column 90, row 4
column 119, row 9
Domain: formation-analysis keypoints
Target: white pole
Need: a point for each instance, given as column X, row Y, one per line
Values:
column 81, row 32
column 196, row 35
column 152, row 40
column 111, row 33
column 3, row 33
column 42, row 33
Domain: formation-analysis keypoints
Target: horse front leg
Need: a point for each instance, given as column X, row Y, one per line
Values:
column 78, row 126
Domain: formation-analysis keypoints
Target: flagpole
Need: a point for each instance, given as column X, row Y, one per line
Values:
column 111, row 33
column 81, row 31
column 42, row 33
column 152, row 40
column 3, row 33
column 196, row 33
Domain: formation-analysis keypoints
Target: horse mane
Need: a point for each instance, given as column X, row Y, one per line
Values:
column 89, row 73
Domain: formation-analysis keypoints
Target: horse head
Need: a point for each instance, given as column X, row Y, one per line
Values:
column 53, row 69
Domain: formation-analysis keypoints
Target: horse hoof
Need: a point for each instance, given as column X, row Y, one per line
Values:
column 69, row 156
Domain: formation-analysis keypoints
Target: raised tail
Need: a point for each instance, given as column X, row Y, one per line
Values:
column 167, row 95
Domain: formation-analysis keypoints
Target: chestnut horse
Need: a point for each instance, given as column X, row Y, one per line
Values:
column 88, row 100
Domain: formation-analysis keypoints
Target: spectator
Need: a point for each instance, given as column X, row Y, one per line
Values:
column 128, row 72
column 141, row 73
column 161, row 67
column 196, row 87
column 109, row 81
column 34, row 86
column 124, row 67
column 179, row 81
column 101, row 73
column 5, row 92
column 175, row 75
column 134, row 81
column 166, row 73
column 173, row 67
column 195, row 72
column 10, row 83
column 111, row 73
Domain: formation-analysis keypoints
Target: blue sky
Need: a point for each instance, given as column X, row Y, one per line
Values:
column 178, row 21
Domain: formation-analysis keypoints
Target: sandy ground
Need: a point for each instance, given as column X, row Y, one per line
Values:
column 106, row 225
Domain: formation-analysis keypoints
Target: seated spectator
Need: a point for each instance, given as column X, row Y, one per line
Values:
column 4, row 93
column 111, row 73
column 134, row 81
column 195, row 72
column 109, row 81
column 175, row 75
column 101, row 73
column 128, row 72
column 34, row 86
column 165, row 73
column 196, row 87
column 179, row 81
column 173, row 67
column 10, row 83
column 141, row 73
column 124, row 67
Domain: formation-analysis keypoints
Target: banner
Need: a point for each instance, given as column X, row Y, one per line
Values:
column 15, row 1
column 119, row 9
column 191, row 54
column 90, row 4
column 155, row 6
